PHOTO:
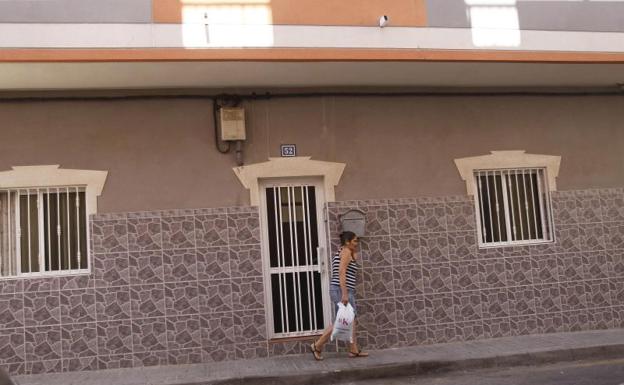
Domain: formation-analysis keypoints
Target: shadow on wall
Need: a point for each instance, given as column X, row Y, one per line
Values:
column 494, row 23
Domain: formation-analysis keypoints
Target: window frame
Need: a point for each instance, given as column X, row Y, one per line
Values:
column 39, row 192
column 510, row 159
column 545, row 208
column 44, row 177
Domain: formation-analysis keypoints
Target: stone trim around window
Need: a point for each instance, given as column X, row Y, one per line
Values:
column 301, row 166
column 52, row 176
column 508, row 159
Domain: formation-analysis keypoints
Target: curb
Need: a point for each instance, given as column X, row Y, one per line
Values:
column 412, row 368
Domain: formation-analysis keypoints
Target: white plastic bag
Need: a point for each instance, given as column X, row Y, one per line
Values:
column 343, row 326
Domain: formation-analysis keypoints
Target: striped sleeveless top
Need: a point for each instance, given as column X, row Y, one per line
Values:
column 352, row 270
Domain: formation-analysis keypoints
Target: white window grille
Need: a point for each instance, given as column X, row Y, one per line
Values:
column 43, row 231
column 513, row 207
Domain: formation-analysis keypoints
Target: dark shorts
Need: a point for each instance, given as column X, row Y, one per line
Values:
column 335, row 294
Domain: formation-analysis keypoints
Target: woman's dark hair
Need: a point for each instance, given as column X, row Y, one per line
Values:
column 346, row 236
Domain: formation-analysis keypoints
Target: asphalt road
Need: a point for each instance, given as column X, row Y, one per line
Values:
column 571, row 373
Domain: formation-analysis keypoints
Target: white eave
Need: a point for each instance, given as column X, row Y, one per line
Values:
column 155, row 74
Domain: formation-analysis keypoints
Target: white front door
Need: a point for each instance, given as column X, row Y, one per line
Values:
column 294, row 257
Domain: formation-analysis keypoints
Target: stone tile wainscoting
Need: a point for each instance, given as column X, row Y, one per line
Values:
column 425, row 280
column 186, row 286
column 170, row 287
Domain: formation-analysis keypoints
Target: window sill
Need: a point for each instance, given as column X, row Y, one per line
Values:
column 279, row 340
column 515, row 244
column 47, row 275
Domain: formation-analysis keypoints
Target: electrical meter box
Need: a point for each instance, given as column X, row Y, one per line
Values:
column 232, row 124
column 354, row 221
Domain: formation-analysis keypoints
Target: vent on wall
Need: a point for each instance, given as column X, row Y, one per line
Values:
column 232, row 124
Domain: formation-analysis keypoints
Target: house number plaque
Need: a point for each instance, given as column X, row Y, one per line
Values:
column 288, row 150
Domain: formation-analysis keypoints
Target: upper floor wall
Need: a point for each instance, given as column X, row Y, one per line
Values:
column 76, row 11
column 548, row 15
column 544, row 15
column 407, row 13
column 527, row 31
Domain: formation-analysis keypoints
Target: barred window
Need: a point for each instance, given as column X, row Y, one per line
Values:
column 513, row 207
column 43, row 231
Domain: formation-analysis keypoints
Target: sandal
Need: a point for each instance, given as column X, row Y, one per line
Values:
column 315, row 352
column 358, row 353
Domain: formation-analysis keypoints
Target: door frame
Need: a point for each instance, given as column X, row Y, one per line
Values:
column 323, row 241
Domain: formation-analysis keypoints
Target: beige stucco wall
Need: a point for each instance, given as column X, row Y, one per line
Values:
column 160, row 153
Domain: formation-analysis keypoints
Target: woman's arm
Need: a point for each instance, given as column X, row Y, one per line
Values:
column 345, row 258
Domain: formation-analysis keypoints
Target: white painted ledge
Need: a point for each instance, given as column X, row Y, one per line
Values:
column 507, row 159
column 53, row 176
column 297, row 167
column 21, row 35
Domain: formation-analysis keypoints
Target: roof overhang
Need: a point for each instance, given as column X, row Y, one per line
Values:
column 236, row 74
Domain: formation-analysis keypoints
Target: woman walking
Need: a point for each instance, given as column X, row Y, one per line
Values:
column 342, row 289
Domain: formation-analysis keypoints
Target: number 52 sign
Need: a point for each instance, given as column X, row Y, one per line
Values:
column 288, row 150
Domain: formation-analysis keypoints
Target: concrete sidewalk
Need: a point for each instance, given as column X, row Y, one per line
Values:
column 302, row 369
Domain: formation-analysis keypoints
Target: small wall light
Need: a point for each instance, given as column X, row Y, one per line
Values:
column 383, row 21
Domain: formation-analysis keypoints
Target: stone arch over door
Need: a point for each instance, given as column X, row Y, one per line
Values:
column 304, row 166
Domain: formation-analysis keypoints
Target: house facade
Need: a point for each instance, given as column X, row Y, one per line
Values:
column 479, row 144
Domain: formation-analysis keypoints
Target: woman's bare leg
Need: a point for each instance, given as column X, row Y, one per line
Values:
column 353, row 346
column 324, row 337
column 354, row 349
